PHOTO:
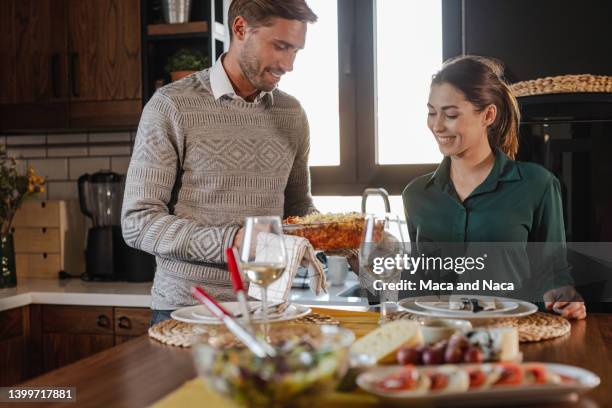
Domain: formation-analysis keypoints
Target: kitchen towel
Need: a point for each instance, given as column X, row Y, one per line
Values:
column 299, row 252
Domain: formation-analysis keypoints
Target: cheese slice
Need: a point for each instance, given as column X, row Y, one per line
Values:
column 382, row 344
column 498, row 344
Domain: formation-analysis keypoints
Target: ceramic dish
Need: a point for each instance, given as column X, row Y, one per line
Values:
column 523, row 309
column 199, row 314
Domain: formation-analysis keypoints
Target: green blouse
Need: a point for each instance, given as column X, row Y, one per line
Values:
column 517, row 203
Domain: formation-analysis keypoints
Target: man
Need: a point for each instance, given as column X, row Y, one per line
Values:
column 215, row 147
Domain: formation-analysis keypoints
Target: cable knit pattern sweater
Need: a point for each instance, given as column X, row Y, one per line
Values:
column 198, row 168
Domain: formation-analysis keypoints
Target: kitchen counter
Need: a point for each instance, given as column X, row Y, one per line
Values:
column 140, row 372
column 126, row 294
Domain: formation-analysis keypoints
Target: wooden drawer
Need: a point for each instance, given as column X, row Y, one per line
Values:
column 42, row 265
column 37, row 240
column 132, row 321
column 39, row 214
column 11, row 323
column 77, row 319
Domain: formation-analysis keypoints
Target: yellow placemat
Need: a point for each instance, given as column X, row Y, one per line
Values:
column 195, row 394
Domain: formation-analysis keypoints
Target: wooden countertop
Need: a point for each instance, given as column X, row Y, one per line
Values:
column 142, row 371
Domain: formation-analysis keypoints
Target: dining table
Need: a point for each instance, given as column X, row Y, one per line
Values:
column 142, row 371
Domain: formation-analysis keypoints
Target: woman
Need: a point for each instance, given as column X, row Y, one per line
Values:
column 479, row 193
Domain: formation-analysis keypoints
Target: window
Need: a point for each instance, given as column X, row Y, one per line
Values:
column 363, row 80
column 408, row 52
column 314, row 82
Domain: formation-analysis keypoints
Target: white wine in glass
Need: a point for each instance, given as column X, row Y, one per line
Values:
column 263, row 257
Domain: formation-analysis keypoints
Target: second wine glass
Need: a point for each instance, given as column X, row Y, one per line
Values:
column 384, row 236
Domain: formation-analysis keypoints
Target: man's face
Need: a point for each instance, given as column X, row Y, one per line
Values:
column 267, row 53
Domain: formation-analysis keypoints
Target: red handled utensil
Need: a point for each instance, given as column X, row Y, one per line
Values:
column 259, row 347
column 230, row 255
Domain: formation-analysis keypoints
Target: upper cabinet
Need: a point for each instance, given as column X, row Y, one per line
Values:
column 70, row 64
column 34, row 81
column 104, row 62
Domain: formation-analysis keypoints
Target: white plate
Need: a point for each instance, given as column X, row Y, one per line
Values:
column 441, row 304
column 530, row 394
column 199, row 314
column 523, row 309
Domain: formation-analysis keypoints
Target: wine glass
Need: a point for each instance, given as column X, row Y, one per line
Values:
column 384, row 236
column 263, row 256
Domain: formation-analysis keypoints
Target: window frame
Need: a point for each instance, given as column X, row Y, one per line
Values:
column 358, row 168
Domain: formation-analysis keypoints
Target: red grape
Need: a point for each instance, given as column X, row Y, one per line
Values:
column 473, row 355
column 434, row 355
column 409, row 355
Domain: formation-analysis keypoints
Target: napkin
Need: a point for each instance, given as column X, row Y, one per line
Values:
column 299, row 252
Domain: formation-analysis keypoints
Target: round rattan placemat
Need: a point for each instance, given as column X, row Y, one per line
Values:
column 180, row 334
column 536, row 327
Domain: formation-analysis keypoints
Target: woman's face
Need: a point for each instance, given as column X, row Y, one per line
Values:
column 454, row 121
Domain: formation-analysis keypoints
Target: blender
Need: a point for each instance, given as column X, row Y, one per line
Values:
column 107, row 256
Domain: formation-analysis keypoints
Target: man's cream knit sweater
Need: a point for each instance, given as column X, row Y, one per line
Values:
column 198, row 168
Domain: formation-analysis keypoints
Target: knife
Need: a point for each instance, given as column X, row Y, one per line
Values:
column 259, row 347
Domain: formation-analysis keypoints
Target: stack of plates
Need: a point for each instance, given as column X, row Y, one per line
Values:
column 433, row 306
column 199, row 314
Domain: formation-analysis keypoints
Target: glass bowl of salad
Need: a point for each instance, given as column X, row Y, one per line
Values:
column 310, row 362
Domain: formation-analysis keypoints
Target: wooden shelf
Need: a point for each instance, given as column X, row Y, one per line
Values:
column 174, row 29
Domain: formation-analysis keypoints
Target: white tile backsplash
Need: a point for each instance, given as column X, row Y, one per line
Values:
column 61, row 165
column 63, row 190
column 67, row 151
column 120, row 164
column 25, row 139
column 109, row 137
column 67, row 138
column 109, row 150
column 88, row 165
column 26, row 153
column 50, row 169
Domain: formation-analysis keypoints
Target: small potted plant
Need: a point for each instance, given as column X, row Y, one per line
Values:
column 185, row 62
column 15, row 188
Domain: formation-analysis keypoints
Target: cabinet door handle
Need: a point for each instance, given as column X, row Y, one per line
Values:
column 103, row 321
column 74, row 65
column 55, row 80
column 125, row 323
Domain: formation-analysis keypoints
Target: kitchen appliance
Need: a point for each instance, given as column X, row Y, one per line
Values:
column 107, row 256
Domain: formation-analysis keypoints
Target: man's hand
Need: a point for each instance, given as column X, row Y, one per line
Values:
column 238, row 239
column 566, row 302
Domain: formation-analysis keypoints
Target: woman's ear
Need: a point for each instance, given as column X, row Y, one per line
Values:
column 490, row 114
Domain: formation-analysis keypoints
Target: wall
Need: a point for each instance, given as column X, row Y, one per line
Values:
column 61, row 166
column 538, row 38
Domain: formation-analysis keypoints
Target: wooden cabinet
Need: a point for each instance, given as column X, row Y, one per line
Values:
column 69, row 64
column 38, row 338
column 71, row 333
column 104, row 61
column 131, row 322
column 13, row 346
column 8, row 68
column 34, row 78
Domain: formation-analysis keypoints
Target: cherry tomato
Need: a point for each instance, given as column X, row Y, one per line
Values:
column 439, row 381
column 511, row 374
column 477, row 378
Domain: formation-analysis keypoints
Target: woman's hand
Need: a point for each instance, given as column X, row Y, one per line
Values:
column 566, row 302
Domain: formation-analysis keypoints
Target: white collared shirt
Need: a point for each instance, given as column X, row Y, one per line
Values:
column 222, row 87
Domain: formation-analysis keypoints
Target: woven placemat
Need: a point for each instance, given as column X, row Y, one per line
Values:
column 536, row 327
column 180, row 334
column 563, row 84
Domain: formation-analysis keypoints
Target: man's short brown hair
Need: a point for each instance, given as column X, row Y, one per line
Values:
column 258, row 13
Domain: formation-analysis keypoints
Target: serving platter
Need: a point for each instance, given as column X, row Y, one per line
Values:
column 532, row 394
